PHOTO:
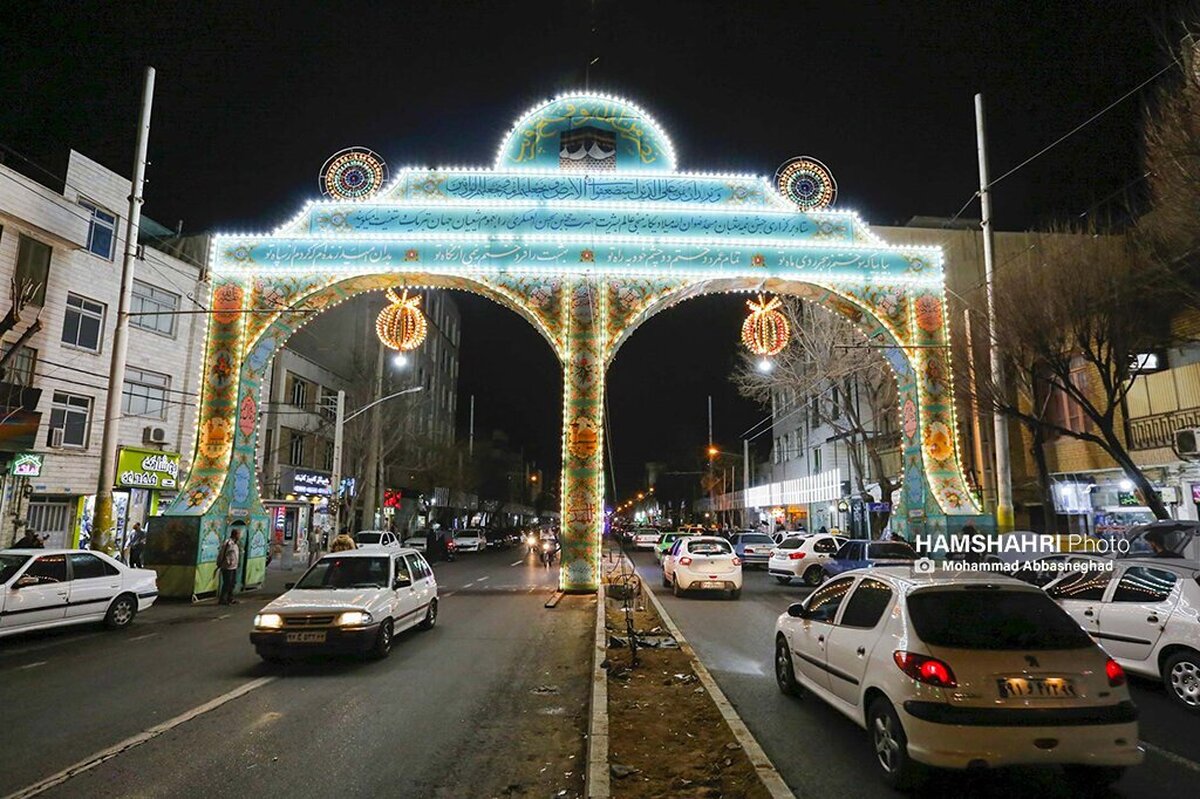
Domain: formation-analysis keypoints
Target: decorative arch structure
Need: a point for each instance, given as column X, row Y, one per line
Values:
column 585, row 227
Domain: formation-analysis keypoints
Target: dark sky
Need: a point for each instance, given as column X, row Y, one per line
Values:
column 252, row 99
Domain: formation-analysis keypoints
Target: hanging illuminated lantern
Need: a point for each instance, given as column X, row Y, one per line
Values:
column 765, row 331
column 401, row 325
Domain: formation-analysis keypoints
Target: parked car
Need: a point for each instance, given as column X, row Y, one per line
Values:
column 702, row 562
column 667, row 540
column 645, row 538
column 959, row 671
column 1180, row 537
column 802, row 557
column 752, row 547
column 349, row 602
column 1144, row 613
column 470, row 540
column 780, row 535
column 42, row 588
column 863, row 554
column 419, row 542
column 1042, row 571
column 377, row 539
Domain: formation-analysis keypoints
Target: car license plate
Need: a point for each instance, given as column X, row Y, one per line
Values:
column 712, row 584
column 1036, row 687
column 306, row 638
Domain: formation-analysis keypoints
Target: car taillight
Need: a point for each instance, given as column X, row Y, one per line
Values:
column 930, row 671
column 1114, row 672
column 737, row 561
column 796, row 556
column 685, row 561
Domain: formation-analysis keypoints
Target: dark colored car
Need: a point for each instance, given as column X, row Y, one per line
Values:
column 753, row 548
column 860, row 554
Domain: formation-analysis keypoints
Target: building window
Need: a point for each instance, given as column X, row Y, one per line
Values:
column 70, row 413
column 816, row 460
column 328, row 459
column 153, row 308
column 269, row 446
column 102, row 230
column 145, row 393
column 816, row 409
column 83, row 323
column 296, row 448
column 299, row 392
column 20, row 370
column 33, row 267
column 327, row 406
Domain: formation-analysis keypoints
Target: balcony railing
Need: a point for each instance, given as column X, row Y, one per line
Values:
column 1152, row 432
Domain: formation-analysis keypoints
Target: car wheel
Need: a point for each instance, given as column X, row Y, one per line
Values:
column 666, row 582
column 890, row 744
column 783, row 580
column 121, row 612
column 735, row 593
column 814, row 576
column 383, row 641
column 1093, row 777
column 675, row 589
column 785, row 676
column 430, row 616
column 1181, row 674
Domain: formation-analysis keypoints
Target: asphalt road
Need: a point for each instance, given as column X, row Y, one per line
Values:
column 488, row 703
column 821, row 753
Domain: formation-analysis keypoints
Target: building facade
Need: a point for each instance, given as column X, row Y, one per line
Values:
column 63, row 251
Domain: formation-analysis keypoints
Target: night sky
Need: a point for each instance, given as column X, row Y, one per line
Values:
column 252, row 99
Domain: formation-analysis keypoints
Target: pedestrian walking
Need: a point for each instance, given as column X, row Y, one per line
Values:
column 228, row 558
column 30, row 540
column 137, row 543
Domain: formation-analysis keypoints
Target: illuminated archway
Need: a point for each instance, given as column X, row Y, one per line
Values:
column 585, row 228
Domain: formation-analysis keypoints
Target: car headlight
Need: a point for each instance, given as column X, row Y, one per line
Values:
column 354, row 618
column 268, row 621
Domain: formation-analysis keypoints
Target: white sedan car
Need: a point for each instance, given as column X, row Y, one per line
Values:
column 960, row 671
column 702, row 562
column 1144, row 613
column 801, row 557
column 645, row 538
column 377, row 539
column 347, row 602
column 42, row 588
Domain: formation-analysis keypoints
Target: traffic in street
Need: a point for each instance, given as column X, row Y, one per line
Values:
column 819, row 752
column 492, row 699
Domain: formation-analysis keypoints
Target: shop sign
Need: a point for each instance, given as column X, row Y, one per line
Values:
column 879, row 507
column 144, row 468
column 311, row 483
column 26, row 464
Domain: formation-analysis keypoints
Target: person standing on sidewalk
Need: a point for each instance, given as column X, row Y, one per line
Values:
column 228, row 558
column 137, row 543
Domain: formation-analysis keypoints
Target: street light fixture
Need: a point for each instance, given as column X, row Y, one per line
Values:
column 400, row 360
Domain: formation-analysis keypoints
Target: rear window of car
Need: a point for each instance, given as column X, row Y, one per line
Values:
column 368, row 538
column 757, row 539
column 993, row 619
column 790, row 543
column 709, row 548
column 668, row 538
column 892, row 550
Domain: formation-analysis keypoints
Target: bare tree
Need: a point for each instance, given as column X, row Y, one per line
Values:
column 1071, row 316
column 826, row 355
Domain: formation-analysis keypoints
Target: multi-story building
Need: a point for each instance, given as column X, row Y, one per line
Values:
column 63, row 250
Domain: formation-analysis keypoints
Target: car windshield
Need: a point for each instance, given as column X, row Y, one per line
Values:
column 892, row 550
column 9, row 564
column 368, row 538
column 335, row 572
column 993, row 619
column 757, row 539
column 709, row 548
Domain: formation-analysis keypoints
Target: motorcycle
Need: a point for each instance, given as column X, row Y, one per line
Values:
column 532, row 541
column 549, row 549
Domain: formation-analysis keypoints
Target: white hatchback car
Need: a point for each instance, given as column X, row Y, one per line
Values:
column 470, row 540
column 702, row 562
column 959, row 671
column 801, row 557
column 1146, row 614
column 354, row 601
column 41, row 588
column 645, row 538
column 377, row 539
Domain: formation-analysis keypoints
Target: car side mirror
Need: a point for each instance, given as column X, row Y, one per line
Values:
column 24, row 581
column 288, row 586
column 402, row 582
column 798, row 611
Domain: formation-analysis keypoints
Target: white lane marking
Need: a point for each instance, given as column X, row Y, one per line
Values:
column 143, row 637
column 33, row 665
column 481, row 579
column 1166, row 754
column 516, row 563
column 447, row 593
column 137, row 740
column 224, row 616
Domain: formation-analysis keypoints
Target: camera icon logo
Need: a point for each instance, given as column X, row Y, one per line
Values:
column 924, row 566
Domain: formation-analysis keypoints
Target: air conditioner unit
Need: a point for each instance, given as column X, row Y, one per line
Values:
column 1187, row 441
column 56, row 438
column 154, row 435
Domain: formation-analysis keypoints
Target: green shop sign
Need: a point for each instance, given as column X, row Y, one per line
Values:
column 26, row 464
column 146, row 468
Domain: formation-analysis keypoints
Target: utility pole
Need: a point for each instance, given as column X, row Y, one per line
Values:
column 471, row 432
column 335, row 482
column 102, row 522
column 371, row 489
column 746, row 483
column 1004, row 503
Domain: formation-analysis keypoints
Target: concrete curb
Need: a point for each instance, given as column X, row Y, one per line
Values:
column 596, row 780
column 766, row 771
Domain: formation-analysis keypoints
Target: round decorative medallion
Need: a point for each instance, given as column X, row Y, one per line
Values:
column 807, row 183
column 355, row 173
